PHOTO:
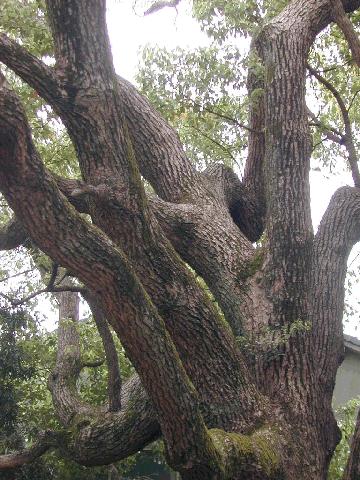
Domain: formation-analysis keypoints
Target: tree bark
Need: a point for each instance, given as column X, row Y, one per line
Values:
column 251, row 401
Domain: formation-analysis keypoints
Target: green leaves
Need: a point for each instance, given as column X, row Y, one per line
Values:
column 26, row 22
column 347, row 416
column 200, row 93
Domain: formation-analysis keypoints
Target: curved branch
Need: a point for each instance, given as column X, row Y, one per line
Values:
column 168, row 282
column 348, row 141
column 100, row 437
column 345, row 25
column 163, row 161
column 68, row 186
column 228, row 263
column 157, row 147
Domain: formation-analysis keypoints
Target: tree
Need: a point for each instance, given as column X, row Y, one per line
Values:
column 239, row 391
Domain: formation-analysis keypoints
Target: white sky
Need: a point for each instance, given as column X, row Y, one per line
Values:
column 129, row 30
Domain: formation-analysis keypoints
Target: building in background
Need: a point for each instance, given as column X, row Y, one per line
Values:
column 347, row 384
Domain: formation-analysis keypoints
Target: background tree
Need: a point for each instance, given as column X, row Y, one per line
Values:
column 240, row 388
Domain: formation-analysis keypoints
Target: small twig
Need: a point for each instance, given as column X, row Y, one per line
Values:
column 353, row 260
column 54, row 273
column 155, row 7
column 16, row 275
column 331, row 133
column 54, row 289
column 353, row 99
column 215, row 142
column 225, row 117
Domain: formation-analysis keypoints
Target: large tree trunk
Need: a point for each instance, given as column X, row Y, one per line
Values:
column 257, row 408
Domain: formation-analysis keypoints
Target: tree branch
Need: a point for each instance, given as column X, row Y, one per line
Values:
column 158, row 150
column 147, row 126
column 33, row 71
column 253, row 178
column 47, row 289
column 346, row 26
column 198, row 316
column 339, row 230
column 97, row 433
column 156, row 6
column 222, row 115
column 228, row 263
column 81, row 246
column 114, row 374
column 242, row 203
column 215, row 142
column 332, row 134
column 348, row 141
column 46, row 440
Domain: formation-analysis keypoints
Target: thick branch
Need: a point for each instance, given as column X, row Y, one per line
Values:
column 98, row 437
column 197, row 316
column 33, row 71
column 63, row 380
column 254, row 174
column 83, row 55
column 162, row 162
column 68, row 186
column 339, row 230
column 79, row 247
column 157, row 147
column 107, row 157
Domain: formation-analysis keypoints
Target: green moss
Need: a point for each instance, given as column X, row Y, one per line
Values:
column 264, row 444
column 269, row 73
column 240, row 452
column 253, row 265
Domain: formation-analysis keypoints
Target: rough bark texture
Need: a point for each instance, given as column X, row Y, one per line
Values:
column 244, row 392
